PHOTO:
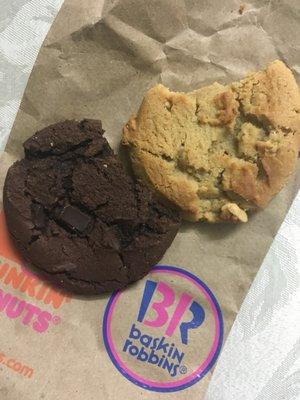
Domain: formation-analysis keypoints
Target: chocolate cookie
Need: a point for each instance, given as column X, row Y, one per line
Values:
column 76, row 216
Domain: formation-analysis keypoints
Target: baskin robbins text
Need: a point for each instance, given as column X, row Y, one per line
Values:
column 160, row 351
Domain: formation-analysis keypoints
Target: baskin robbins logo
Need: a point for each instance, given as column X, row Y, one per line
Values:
column 171, row 330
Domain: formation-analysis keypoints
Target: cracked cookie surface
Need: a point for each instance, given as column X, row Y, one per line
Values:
column 75, row 214
column 221, row 150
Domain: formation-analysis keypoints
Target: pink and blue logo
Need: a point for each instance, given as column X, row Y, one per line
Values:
column 171, row 332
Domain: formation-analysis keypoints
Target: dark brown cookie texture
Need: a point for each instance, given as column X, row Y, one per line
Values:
column 75, row 214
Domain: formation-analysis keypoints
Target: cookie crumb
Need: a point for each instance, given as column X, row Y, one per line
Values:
column 242, row 8
column 168, row 105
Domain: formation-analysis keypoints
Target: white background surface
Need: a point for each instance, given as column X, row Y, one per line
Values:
column 261, row 357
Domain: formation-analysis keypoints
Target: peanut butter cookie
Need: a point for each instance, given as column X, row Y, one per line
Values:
column 221, row 150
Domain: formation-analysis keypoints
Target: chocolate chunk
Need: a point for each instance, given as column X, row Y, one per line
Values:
column 110, row 239
column 38, row 216
column 75, row 219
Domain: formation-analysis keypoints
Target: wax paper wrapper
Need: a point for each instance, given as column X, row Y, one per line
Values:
column 161, row 337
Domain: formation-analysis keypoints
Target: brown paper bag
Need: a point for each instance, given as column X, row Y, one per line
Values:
column 162, row 336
